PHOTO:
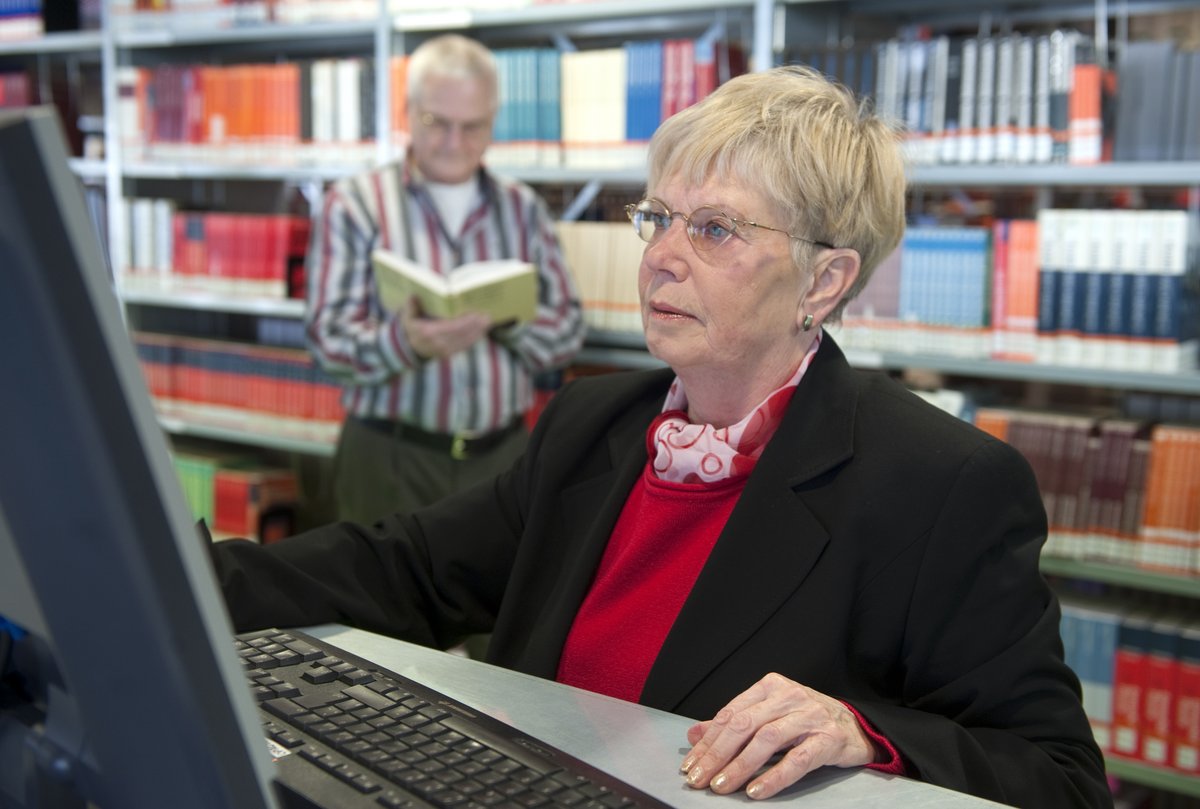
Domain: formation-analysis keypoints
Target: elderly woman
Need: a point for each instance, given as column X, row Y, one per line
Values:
column 806, row 557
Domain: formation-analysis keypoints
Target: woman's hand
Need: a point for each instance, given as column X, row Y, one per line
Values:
column 775, row 714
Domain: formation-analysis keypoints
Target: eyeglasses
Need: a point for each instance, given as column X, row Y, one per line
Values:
column 707, row 227
column 442, row 127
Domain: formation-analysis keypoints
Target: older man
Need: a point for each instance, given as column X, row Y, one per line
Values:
column 433, row 405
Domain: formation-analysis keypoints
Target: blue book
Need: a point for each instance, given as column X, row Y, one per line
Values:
column 643, row 95
column 549, row 99
column 526, row 92
column 1173, row 300
column 1143, row 292
column 502, row 126
column 1118, row 306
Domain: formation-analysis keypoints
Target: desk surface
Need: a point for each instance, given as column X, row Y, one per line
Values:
column 641, row 745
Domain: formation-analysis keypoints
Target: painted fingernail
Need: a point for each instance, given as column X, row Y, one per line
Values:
column 719, row 781
column 687, row 763
column 694, row 776
column 755, row 790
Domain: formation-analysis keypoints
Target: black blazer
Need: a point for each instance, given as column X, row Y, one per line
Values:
column 882, row 552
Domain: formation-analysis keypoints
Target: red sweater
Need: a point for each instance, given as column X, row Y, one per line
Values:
column 659, row 545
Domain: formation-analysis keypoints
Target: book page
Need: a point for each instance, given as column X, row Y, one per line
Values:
column 505, row 289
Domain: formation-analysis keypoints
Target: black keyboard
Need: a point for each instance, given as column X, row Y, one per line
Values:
column 345, row 733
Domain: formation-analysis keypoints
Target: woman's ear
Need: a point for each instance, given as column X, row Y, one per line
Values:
column 833, row 276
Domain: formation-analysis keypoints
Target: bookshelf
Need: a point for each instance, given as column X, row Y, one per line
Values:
column 1156, row 777
column 1171, row 174
column 614, row 346
column 55, row 42
column 1122, row 576
column 130, row 40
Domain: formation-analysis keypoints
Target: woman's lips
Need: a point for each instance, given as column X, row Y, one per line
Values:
column 665, row 310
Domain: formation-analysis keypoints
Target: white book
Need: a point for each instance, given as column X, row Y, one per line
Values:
column 968, row 138
column 143, row 235
column 1005, row 117
column 505, row 289
column 1023, row 72
column 164, row 236
column 1043, row 142
column 349, row 113
column 323, row 91
column 985, row 100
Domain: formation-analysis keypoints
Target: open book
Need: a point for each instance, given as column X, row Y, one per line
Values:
column 506, row 289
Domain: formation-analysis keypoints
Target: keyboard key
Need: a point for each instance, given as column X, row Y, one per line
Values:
column 319, row 675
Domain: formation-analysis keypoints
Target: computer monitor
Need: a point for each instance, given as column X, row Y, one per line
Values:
column 121, row 687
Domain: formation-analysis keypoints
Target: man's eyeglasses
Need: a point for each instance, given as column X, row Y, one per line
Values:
column 442, row 127
column 707, row 227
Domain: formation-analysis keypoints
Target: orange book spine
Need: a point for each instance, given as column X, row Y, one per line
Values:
column 1159, row 536
column 1023, row 264
column 290, row 101
column 993, row 421
column 398, row 67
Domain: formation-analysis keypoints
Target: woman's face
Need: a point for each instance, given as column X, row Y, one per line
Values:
column 733, row 310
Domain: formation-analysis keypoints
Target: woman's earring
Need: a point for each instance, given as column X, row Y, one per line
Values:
column 807, row 324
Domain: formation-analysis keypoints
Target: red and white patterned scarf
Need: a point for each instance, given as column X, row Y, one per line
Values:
column 683, row 452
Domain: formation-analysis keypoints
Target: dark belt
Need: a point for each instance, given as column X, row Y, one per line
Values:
column 458, row 446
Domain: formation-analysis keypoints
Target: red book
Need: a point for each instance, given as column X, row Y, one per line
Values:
column 1158, row 696
column 1185, row 725
column 244, row 496
column 301, row 231
column 1129, row 683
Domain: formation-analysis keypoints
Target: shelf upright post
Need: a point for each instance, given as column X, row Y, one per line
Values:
column 113, row 190
column 1101, row 33
column 764, row 18
column 383, row 84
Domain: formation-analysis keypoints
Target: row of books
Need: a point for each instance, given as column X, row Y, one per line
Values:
column 170, row 14
column 598, row 108
column 28, row 19
column 237, row 495
column 1028, row 98
column 249, row 388
column 604, row 258
column 289, row 113
column 229, row 254
column 592, row 108
column 1139, row 670
column 1017, row 98
column 1116, row 490
column 1110, row 289
column 158, row 15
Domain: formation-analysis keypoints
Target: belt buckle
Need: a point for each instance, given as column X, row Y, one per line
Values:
column 458, row 447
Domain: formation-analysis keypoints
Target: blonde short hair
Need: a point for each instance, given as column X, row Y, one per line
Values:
column 806, row 145
column 452, row 56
